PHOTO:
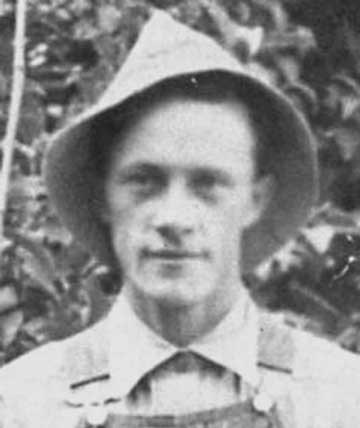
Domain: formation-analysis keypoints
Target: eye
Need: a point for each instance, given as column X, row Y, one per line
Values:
column 208, row 183
column 144, row 182
column 205, row 181
column 205, row 185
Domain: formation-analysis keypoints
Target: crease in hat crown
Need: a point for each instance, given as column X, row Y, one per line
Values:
column 167, row 47
column 164, row 50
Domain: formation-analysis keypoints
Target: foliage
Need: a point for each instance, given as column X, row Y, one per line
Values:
column 49, row 287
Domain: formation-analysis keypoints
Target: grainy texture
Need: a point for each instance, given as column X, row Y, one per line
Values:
column 49, row 288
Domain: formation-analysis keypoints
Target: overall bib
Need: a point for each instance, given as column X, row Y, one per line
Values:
column 242, row 415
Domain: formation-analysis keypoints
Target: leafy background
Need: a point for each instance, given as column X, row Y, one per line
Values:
column 49, row 287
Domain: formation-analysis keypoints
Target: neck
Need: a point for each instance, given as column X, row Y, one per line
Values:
column 181, row 325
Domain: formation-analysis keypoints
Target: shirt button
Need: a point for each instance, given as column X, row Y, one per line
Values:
column 96, row 415
column 262, row 402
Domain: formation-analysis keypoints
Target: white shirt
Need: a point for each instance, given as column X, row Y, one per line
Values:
column 146, row 370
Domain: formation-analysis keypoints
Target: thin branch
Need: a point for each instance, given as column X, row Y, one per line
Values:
column 311, row 295
column 17, row 90
column 221, row 19
column 234, row 35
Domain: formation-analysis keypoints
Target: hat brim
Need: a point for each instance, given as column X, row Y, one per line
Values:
column 69, row 172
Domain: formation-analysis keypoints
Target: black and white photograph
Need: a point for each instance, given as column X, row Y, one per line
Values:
column 179, row 214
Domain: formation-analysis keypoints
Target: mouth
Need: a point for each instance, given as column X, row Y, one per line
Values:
column 173, row 255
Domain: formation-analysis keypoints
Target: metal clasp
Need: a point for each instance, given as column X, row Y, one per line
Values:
column 96, row 415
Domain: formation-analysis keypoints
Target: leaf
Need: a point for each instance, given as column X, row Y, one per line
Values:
column 11, row 316
column 289, row 67
column 25, row 188
column 63, row 14
column 232, row 34
column 252, row 37
column 109, row 18
column 320, row 237
column 5, row 244
column 346, row 84
column 304, row 97
column 32, row 120
column 348, row 140
column 187, row 11
column 347, row 92
column 79, row 7
column 85, row 29
column 41, row 272
column 37, row 263
column 8, row 298
column 53, row 232
column 9, row 326
column 38, row 329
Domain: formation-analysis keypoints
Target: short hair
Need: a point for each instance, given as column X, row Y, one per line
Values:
column 210, row 86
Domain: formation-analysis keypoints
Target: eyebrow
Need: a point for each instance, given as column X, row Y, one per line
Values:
column 158, row 169
column 139, row 167
column 221, row 175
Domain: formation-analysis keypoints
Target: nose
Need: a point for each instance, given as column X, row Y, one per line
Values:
column 172, row 234
column 176, row 214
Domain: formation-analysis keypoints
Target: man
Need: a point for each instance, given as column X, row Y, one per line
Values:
column 188, row 173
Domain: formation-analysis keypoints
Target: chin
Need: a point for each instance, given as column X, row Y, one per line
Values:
column 173, row 302
column 177, row 301
column 174, row 292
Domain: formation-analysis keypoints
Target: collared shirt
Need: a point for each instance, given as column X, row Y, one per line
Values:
column 154, row 376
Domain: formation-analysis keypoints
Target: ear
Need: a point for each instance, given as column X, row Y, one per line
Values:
column 262, row 194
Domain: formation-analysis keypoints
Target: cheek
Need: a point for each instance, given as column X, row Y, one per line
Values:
column 224, row 227
column 127, row 243
column 220, row 226
column 125, row 227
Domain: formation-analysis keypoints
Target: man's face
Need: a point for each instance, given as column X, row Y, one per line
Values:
column 179, row 190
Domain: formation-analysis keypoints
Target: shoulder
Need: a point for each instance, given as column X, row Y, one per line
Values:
column 313, row 380
column 326, row 380
column 28, row 382
column 35, row 365
column 304, row 355
column 35, row 387
column 50, row 362
column 324, row 360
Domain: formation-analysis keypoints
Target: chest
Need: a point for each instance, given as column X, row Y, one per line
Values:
column 178, row 401
column 299, row 406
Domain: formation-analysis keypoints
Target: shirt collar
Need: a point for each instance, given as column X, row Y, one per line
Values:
column 135, row 349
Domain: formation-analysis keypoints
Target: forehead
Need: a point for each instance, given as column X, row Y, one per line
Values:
column 186, row 132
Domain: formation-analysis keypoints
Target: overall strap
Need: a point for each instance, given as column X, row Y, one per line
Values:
column 276, row 346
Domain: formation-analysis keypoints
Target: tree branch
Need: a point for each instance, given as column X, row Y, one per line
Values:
column 17, row 90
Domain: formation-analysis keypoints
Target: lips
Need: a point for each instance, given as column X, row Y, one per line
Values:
column 172, row 254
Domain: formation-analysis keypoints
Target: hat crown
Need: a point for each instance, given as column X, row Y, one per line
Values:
column 167, row 48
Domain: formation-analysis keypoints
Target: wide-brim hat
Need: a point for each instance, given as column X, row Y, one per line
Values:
column 168, row 50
